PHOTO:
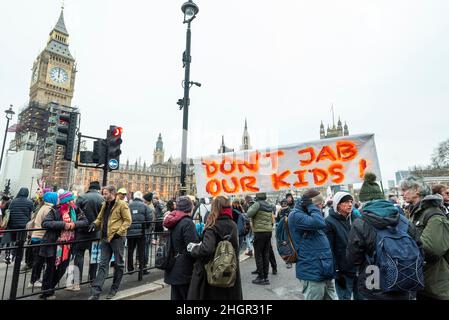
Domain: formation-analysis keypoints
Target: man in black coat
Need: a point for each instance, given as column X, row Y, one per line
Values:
column 141, row 216
column 90, row 204
column 20, row 211
column 338, row 225
column 182, row 232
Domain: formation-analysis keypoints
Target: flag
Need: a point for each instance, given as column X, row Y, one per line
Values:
column 13, row 128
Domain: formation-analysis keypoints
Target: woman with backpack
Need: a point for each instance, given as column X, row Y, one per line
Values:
column 219, row 228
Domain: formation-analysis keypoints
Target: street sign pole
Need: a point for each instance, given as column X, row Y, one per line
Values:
column 105, row 168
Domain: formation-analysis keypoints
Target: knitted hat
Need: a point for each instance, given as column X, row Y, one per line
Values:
column 148, row 197
column 370, row 189
column 51, row 197
column 66, row 197
column 94, row 185
column 184, row 204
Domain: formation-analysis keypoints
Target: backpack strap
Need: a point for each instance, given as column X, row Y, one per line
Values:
column 290, row 236
column 429, row 213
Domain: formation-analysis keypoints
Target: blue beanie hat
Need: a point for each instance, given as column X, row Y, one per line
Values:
column 51, row 197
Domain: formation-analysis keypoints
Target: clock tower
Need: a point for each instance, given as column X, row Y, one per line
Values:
column 53, row 73
column 51, row 92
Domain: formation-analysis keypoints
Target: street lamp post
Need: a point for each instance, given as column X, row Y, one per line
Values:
column 190, row 11
column 9, row 114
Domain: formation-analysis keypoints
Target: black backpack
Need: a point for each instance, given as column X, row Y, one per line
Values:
column 165, row 257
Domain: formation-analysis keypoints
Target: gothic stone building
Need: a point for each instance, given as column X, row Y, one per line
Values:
column 161, row 177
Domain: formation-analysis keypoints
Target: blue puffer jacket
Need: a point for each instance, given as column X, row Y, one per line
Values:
column 315, row 260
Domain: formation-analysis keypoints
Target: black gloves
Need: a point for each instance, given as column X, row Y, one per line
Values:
column 116, row 236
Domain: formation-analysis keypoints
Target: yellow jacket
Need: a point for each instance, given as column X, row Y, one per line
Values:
column 119, row 219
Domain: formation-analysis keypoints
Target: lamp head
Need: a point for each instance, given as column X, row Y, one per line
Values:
column 190, row 11
column 9, row 113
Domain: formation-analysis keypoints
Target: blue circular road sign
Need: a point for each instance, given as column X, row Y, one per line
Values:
column 113, row 164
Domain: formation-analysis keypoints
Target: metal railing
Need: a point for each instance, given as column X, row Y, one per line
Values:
column 15, row 281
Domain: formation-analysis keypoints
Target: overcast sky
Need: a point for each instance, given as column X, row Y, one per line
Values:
column 383, row 64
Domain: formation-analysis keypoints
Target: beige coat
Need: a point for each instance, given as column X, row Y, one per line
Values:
column 43, row 211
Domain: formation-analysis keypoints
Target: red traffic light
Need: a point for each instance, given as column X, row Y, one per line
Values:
column 117, row 131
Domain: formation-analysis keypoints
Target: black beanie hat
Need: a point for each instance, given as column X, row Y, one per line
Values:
column 148, row 197
column 184, row 204
column 370, row 189
column 94, row 185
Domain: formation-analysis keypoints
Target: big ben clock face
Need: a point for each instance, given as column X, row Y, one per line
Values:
column 58, row 75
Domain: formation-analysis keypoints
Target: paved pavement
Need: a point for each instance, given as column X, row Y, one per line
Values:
column 283, row 286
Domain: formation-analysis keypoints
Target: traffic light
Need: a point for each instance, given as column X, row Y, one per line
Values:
column 67, row 126
column 114, row 141
column 86, row 157
column 99, row 152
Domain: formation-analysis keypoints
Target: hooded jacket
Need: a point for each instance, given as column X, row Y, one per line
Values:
column 315, row 260
column 20, row 210
column 362, row 242
column 182, row 231
column 337, row 231
column 434, row 235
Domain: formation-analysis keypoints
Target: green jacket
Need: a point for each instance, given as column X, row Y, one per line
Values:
column 261, row 212
column 435, row 240
column 119, row 219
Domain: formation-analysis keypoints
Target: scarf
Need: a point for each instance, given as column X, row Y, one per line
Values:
column 63, row 251
column 226, row 212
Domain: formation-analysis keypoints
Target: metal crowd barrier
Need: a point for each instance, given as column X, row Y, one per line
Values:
column 16, row 281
